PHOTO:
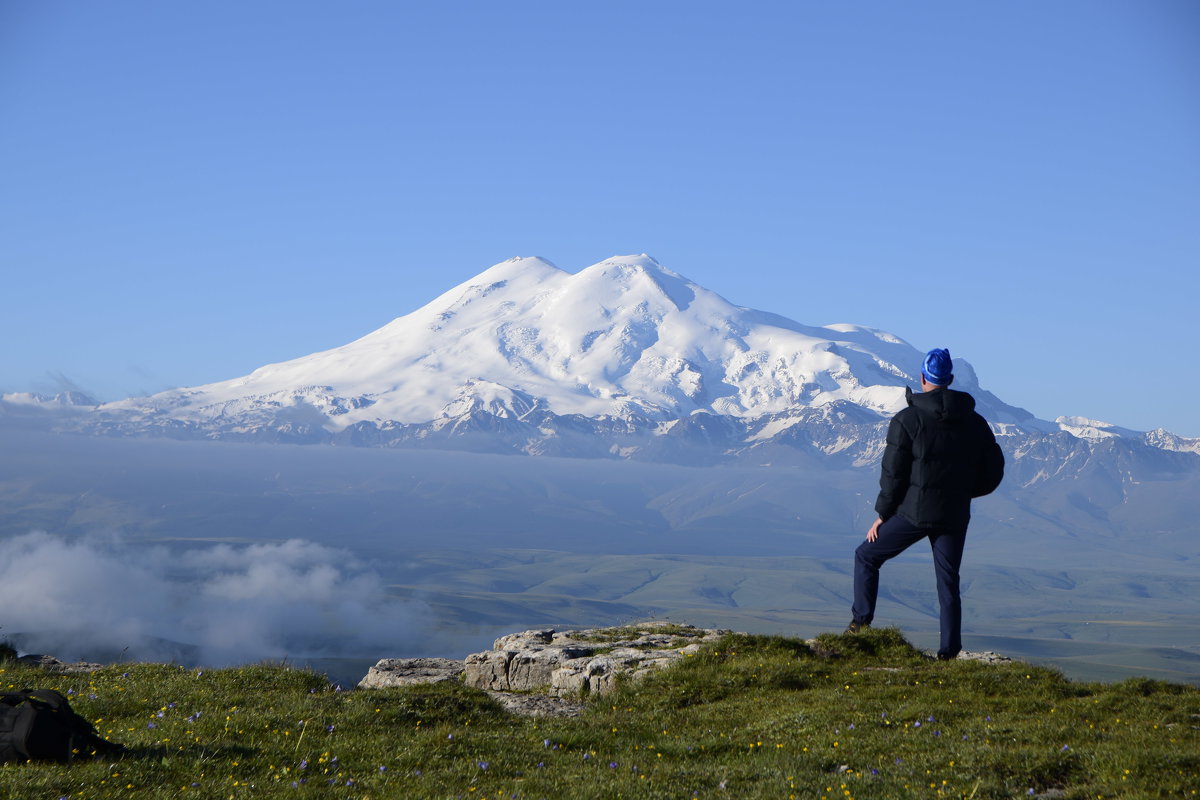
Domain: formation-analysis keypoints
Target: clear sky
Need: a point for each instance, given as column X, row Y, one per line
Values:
column 191, row 190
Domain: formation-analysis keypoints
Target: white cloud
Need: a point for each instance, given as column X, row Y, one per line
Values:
column 227, row 604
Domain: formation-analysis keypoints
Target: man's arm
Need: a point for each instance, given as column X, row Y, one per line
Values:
column 895, row 471
column 991, row 466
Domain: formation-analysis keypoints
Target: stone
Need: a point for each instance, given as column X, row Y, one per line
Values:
column 411, row 671
column 52, row 664
column 537, row 705
column 577, row 663
column 986, row 656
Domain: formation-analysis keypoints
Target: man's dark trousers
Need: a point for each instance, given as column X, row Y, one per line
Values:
column 895, row 536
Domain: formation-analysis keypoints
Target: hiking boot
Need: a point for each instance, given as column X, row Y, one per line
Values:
column 855, row 626
column 946, row 656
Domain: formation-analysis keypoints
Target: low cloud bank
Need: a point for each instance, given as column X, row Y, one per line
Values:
column 214, row 605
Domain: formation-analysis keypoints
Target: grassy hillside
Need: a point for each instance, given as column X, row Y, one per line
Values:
column 862, row 716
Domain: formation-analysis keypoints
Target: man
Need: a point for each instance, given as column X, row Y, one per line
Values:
column 939, row 455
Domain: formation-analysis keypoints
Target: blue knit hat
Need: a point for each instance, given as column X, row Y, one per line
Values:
column 938, row 369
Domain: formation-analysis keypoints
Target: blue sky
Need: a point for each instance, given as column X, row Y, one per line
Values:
column 192, row 190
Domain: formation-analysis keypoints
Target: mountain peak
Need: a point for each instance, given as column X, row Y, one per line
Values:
column 518, row 266
column 641, row 260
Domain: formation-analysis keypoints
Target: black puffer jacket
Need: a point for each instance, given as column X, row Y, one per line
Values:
column 939, row 455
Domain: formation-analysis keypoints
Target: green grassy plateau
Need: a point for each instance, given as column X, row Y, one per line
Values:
column 864, row 716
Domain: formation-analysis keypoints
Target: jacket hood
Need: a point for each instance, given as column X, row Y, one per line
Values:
column 944, row 405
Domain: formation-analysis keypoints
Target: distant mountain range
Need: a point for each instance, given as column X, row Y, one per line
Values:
column 625, row 359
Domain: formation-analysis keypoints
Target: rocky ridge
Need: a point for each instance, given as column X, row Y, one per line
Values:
column 548, row 673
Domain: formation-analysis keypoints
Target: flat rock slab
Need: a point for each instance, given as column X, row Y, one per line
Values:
column 411, row 671
column 986, row 656
column 537, row 705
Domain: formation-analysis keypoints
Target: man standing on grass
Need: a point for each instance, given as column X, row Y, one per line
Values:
column 939, row 455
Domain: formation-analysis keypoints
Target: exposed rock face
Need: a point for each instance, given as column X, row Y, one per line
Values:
column 409, row 671
column 572, row 663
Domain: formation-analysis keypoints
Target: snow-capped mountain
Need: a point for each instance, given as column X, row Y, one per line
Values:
column 625, row 338
column 624, row 358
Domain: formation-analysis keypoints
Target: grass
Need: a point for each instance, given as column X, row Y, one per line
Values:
column 863, row 716
column 680, row 634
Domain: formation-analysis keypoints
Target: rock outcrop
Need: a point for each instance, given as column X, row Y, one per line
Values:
column 548, row 672
column 575, row 663
column 410, row 671
column 52, row 664
column 986, row 656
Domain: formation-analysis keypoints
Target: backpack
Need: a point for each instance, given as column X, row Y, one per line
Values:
column 38, row 724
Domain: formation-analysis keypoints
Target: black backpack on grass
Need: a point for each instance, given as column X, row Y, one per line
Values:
column 39, row 725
